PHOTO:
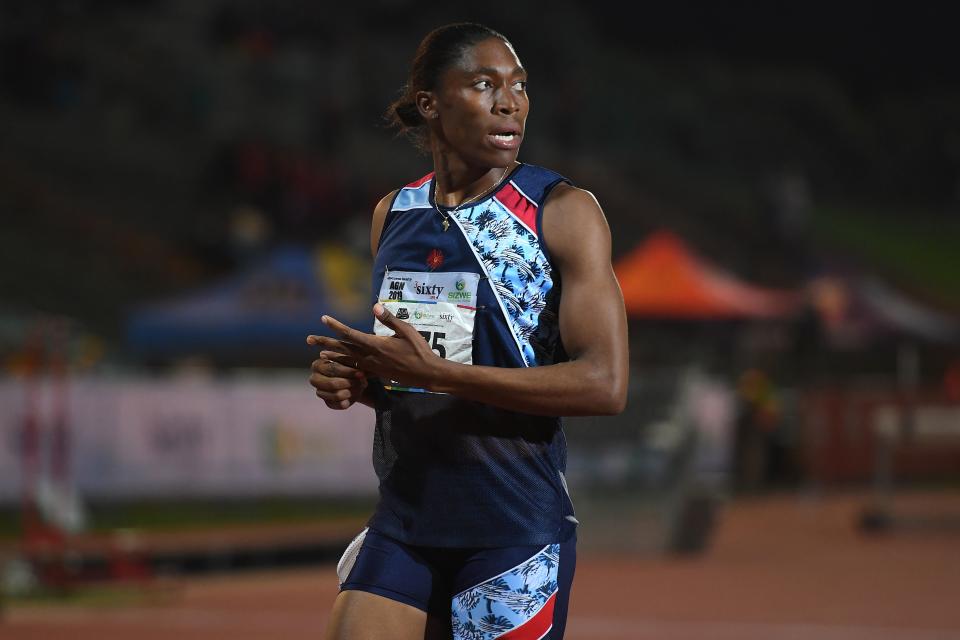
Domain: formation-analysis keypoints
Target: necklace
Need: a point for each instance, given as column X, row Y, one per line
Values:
column 446, row 217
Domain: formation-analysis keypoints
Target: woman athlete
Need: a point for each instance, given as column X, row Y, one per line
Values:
column 496, row 311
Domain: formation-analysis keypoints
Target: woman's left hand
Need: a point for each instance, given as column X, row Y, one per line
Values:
column 404, row 357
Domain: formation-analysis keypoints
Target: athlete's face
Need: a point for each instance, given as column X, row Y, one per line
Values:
column 482, row 105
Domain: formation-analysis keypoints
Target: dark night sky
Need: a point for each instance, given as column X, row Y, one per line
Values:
column 873, row 48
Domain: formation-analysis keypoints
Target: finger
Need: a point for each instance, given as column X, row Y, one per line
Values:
column 391, row 321
column 339, row 406
column 337, row 396
column 340, row 346
column 314, row 340
column 325, row 383
column 350, row 366
column 322, row 366
column 358, row 338
column 328, row 365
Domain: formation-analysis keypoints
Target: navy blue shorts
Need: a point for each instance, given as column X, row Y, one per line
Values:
column 514, row 593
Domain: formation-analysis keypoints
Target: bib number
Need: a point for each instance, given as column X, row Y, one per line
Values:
column 440, row 306
column 436, row 345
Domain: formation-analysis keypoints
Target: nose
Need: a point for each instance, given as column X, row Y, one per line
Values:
column 506, row 102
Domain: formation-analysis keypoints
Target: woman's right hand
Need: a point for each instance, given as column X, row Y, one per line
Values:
column 339, row 385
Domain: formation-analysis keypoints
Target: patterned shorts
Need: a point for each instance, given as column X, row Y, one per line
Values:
column 511, row 593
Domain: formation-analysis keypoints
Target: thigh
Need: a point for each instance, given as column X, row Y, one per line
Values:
column 359, row 615
column 514, row 592
column 386, row 591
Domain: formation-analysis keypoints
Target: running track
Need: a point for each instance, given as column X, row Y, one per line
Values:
column 783, row 568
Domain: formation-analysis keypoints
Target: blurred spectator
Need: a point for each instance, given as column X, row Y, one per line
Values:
column 301, row 195
column 757, row 422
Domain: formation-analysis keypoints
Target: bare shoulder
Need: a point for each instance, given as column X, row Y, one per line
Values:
column 567, row 196
column 379, row 215
column 572, row 221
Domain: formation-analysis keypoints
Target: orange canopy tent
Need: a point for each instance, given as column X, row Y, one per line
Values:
column 663, row 278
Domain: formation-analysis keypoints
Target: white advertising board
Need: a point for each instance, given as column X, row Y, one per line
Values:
column 191, row 438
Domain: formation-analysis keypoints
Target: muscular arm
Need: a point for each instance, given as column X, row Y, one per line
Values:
column 592, row 326
column 379, row 216
column 376, row 228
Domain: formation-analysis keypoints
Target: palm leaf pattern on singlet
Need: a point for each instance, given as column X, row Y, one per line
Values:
column 468, row 631
column 494, row 624
column 519, row 271
column 500, row 604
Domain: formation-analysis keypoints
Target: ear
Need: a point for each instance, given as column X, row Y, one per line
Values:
column 427, row 105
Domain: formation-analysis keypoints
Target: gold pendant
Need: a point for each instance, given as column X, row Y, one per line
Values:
column 446, row 224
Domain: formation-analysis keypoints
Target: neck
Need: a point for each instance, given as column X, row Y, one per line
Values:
column 456, row 181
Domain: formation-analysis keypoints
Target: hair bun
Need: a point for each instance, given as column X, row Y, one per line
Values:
column 408, row 114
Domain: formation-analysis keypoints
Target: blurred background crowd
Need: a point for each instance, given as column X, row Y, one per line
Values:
column 185, row 187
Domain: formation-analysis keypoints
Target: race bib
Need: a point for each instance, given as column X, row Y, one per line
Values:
column 440, row 306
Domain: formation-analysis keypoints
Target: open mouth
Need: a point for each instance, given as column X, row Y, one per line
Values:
column 506, row 138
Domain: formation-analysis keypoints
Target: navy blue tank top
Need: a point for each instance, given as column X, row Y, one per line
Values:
column 455, row 472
